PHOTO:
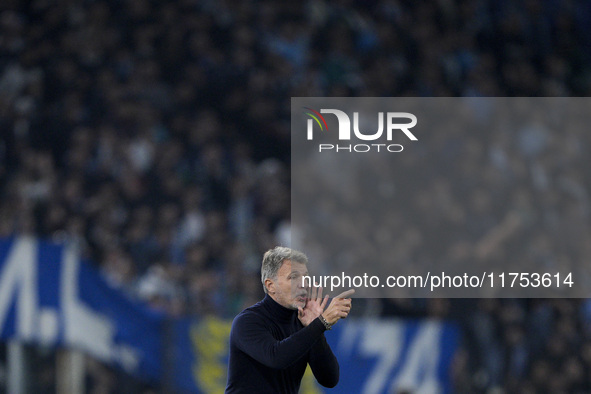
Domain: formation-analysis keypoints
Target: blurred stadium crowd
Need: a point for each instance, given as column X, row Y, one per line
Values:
column 156, row 134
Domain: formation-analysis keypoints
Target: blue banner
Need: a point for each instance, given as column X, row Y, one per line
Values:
column 375, row 356
column 50, row 297
column 394, row 356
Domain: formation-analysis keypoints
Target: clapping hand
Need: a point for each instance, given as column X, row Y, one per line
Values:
column 339, row 307
column 314, row 306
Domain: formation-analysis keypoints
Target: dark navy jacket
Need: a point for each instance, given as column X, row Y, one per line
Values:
column 269, row 351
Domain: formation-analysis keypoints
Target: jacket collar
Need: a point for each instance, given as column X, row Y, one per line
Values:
column 276, row 310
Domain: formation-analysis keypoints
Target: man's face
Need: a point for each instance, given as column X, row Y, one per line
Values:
column 288, row 288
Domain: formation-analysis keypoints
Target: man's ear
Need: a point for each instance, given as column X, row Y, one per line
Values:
column 270, row 286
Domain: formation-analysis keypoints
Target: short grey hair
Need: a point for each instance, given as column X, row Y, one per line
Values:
column 274, row 258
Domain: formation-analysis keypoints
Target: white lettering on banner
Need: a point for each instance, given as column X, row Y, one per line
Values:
column 403, row 362
column 383, row 341
column 419, row 370
column 49, row 326
column 18, row 282
column 127, row 356
column 85, row 328
column 82, row 326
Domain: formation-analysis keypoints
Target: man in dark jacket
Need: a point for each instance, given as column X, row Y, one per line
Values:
column 272, row 341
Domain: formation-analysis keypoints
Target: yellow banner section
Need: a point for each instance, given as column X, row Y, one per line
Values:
column 210, row 338
column 210, row 344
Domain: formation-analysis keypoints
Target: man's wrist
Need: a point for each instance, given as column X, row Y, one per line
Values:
column 326, row 324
